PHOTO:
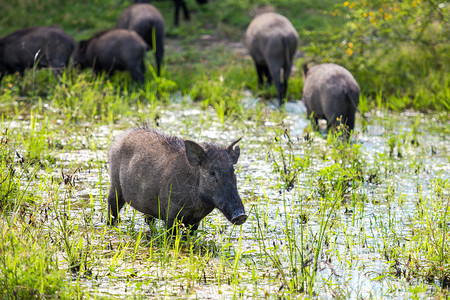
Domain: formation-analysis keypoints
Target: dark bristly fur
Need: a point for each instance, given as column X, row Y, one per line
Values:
column 110, row 50
column 171, row 179
column 272, row 41
column 330, row 92
column 146, row 20
column 46, row 46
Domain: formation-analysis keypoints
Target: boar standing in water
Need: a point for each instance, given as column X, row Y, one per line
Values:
column 115, row 49
column 36, row 46
column 330, row 92
column 172, row 179
column 272, row 41
column 148, row 22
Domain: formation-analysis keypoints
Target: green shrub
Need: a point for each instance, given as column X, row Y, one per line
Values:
column 399, row 49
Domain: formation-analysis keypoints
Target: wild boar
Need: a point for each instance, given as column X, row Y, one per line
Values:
column 115, row 49
column 330, row 92
column 147, row 21
column 272, row 41
column 172, row 179
column 178, row 4
column 182, row 4
column 36, row 46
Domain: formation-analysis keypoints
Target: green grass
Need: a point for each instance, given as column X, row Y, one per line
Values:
column 316, row 211
column 327, row 217
column 414, row 76
column 28, row 266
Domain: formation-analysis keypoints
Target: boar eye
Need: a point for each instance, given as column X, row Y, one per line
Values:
column 212, row 173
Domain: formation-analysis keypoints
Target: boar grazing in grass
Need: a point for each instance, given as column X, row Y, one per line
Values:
column 111, row 50
column 272, row 41
column 172, row 179
column 37, row 46
column 148, row 22
column 330, row 92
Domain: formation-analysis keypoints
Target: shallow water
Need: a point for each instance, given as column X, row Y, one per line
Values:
column 351, row 263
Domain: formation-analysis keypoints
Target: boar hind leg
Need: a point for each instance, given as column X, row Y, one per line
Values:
column 268, row 75
column 351, row 121
column 337, row 122
column 286, row 74
column 260, row 72
column 115, row 203
column 275, row 73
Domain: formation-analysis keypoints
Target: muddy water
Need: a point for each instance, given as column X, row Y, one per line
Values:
column 352, row 262
column 354, row 269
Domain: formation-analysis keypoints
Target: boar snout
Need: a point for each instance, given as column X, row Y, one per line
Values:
column 234, row 211
column 239, row 217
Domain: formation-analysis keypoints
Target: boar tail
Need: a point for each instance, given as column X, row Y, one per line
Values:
column 305, row 69
column 286, row 52
column 350, row 99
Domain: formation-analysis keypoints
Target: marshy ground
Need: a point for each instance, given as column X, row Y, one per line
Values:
column 362, row 219
column 327, row 218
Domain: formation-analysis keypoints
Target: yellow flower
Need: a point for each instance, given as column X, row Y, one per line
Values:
column 350, row 45
column 371, row 14
column 414, row 4
column 365, row 15
column 418, row 1
column 372, row 20
column 349, row 52
column 346, row 3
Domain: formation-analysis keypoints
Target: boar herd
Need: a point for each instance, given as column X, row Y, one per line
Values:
column 166, row 177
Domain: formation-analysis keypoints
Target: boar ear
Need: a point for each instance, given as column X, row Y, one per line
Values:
column 305, row 69
column 234, row 153
column 83, row 46
column 194, row 152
